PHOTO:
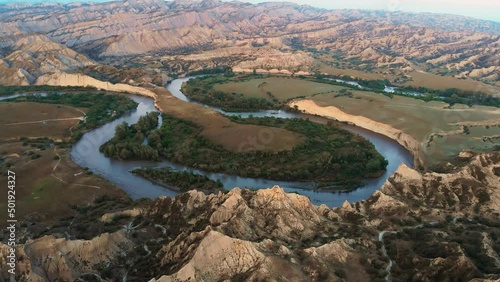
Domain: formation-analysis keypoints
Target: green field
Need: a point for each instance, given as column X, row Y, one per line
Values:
column 283, row 88
column 422, row 119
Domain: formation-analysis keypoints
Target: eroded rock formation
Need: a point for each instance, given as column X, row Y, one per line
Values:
column 271, row 235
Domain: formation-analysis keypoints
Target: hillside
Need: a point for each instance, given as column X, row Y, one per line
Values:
column 417, row 220
column 25, row 57
column 248, row 36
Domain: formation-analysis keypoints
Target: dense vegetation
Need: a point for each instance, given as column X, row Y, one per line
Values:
column 128, row 140
column 201, row 90
column 10, row 90
column 179, row 180
column 456, row 96
column 216, row 70
column 329, row 154
column 374, row 84
column 102, row 108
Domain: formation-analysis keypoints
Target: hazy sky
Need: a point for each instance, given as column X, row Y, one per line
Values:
column 484, row 9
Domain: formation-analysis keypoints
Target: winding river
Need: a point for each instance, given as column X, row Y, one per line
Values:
column 86, row 154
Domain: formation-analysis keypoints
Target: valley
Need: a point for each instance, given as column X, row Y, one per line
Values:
column 215, row 140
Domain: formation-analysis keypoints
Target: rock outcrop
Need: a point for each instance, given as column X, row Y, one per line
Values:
column 49, row 258
column 270, row 235
column 36, row 55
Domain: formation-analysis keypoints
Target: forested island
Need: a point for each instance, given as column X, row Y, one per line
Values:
column 328, row 155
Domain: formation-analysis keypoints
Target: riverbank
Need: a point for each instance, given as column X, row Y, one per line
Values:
column 163, row 102
column 86, row 154
column 332, row 112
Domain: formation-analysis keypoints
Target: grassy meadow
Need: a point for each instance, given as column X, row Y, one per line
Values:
column 32, row 119
column 283, row 88
column 442, row 131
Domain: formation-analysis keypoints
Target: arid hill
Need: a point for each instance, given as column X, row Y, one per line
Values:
column 430, row 227
column 28, row 56
column 269, row 36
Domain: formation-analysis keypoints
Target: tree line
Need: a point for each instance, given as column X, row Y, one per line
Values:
column 201, row 90
column 13, row 89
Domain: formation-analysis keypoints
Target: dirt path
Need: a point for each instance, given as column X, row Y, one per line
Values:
column 73, row 108
column 55, row 167
column 61, row 180
column 42, row 121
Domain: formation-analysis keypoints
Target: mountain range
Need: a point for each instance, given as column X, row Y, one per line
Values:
column 48, row 37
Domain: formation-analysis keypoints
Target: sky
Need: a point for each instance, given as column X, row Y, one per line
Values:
column 482, row 9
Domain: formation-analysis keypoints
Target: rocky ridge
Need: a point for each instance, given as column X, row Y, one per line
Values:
column 108, row 32
column 27, row 57
column 80, row 80
column 268, row 234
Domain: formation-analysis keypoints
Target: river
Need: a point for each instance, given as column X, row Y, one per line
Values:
column 86, row 154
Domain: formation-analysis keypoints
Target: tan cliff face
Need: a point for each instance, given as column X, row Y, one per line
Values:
column 65, row 79
column 49, row 258
column 271, row 235
column 410, row 143
column 475, row 186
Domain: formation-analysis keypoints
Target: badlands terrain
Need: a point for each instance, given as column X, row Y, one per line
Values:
column 436, row 221
column 179, row 36
column 430, row 227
